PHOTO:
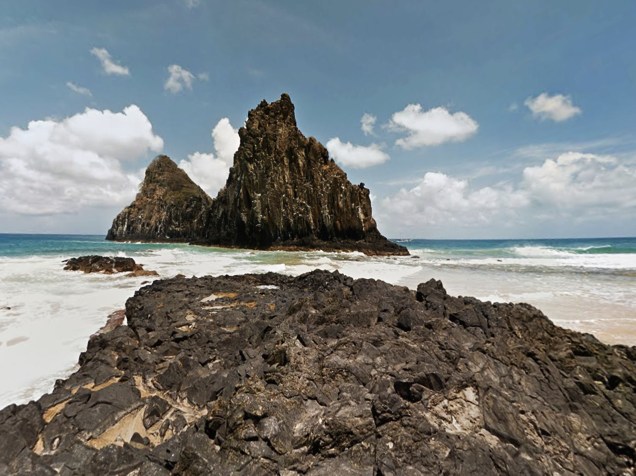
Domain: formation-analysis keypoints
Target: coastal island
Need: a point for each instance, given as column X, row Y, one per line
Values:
column 283, row 192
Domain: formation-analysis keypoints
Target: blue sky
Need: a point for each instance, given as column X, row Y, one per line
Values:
column 492, row 119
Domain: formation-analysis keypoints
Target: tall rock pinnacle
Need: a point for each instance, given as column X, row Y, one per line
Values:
column 284, row 191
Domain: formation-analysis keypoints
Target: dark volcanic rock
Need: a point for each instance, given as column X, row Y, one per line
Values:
column 169, row 207
column 267, row 374
column 107, row 265
column 285, row 191
column 282, row 192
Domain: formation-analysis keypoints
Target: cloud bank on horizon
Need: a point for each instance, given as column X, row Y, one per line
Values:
column 74, row 164
column 521, row 134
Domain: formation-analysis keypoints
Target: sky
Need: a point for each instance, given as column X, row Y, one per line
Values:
column 493, row 119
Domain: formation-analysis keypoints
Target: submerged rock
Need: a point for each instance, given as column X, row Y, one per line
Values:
column 268, row 374
column 168, row 208
column 283, row 191
column 107, row 265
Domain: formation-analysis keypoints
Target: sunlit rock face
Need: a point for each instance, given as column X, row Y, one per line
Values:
column 169, row 207
column 284, row 190
column 323, row 374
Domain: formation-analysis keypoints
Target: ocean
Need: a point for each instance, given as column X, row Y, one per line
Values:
column 47, row 314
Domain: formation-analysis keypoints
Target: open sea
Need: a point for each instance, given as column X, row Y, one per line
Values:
column 47, row 314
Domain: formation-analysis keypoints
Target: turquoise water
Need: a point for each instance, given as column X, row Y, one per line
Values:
column 36, row 245
column 507, row 248
column 42, row 245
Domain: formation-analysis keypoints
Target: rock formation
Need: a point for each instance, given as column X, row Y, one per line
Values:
column 282, row 192
column 285, row 191
column 107, row 265
column 323, row 374
column 169, row 207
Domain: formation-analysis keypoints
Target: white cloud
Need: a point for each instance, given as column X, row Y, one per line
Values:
column 557, row 108
column 572, row 188
column 79, row 89
column 433, row 127
column 367, row 122
column 203, row 77
column 356, row 156
column 108, row 65
column 55, row 167
column 192, row 3
column 578, row 181
column 179, row 78
column 226, row 140
column 439, row 199
column 210, row 171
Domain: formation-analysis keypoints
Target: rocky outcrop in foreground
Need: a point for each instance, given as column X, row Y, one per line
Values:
column 107, row 265
column 168, row 208
column 323, row 374
column 283, row 192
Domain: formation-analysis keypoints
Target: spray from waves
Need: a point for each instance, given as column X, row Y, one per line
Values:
column 539, row 252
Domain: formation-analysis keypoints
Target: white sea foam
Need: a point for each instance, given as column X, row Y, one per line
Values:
column 56, row 311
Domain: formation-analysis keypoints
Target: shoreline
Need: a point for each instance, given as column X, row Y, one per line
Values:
column 61, row 310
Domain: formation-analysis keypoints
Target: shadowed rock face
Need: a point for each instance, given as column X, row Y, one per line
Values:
column 282, row 192
column 268, row 374
column 169, row 207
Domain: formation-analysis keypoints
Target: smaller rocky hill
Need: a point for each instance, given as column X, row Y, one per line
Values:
column 169, row 207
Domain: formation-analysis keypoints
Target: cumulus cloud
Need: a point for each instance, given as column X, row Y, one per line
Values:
column 557, row 108
column 356, row 156
column 79, row 89
column 573, row 187
column 433, row 127
column 108, row 65
column 439, row 199
column 179, row 79
column 192, row 3
column 55, row 167
column 210, row 170
column 367, row 122
column 575, row 180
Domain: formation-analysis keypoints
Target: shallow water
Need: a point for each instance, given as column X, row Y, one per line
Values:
column 47, row 314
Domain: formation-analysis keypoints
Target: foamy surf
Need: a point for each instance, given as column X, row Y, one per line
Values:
column 47, row 314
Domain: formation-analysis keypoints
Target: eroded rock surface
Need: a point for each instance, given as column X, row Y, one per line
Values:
column 107, row 265
column 323, row 374
column 169, row 207
column 285, row 191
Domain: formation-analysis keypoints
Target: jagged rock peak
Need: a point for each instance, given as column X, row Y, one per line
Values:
column 284, row 191
column 282, row 111
column 168, row 207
